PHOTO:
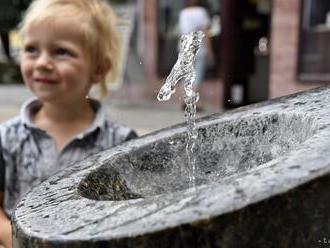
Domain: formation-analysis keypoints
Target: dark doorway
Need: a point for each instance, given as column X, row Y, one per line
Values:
column 244, row 42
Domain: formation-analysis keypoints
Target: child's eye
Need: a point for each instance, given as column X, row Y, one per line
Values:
column 30, row 49
column 63, row 52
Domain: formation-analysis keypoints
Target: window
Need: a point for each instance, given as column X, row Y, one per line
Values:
column 314, row 47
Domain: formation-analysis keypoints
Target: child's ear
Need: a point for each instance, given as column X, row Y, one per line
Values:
column 101, row 71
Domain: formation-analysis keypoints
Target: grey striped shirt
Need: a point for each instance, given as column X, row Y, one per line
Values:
column 28, row 154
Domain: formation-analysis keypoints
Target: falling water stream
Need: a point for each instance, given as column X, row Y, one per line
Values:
column 183, row 70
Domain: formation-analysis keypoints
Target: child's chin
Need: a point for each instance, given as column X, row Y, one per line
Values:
column 46, row 96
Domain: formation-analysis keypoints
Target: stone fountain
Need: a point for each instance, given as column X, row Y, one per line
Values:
column 262, row 180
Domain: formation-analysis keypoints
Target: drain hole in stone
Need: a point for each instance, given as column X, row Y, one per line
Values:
column 105, row 184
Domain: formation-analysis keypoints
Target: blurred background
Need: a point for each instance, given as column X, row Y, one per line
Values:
column 263, row 49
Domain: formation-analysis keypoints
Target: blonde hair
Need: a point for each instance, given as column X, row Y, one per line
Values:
column 98, row 25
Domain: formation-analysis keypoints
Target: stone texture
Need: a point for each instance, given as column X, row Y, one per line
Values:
column 262, row 180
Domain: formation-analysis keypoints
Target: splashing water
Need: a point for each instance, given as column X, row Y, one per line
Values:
column 183, row 69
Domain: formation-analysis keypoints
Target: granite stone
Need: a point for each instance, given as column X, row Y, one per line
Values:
column 262, row 180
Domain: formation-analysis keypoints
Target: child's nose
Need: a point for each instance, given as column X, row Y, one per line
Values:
column 44, row 62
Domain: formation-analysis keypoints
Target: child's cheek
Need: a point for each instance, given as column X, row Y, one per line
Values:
column 27, row 71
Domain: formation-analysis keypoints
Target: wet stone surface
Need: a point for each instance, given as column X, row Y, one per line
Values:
column 262, row 180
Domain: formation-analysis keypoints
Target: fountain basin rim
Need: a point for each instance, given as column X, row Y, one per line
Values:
column 243, row 185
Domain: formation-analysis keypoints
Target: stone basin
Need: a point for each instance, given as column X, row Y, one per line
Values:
column 224, row 148
column 262, row 180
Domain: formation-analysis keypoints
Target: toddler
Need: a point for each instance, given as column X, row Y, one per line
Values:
column 67, row 47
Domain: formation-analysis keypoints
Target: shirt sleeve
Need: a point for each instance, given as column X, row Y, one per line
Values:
column 2, row 169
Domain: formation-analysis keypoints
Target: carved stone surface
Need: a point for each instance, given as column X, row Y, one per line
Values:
column 262, row 180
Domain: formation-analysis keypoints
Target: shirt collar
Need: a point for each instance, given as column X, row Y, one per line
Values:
column 28, row 108
column 31, row 106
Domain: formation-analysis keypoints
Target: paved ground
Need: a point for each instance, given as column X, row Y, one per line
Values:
column 145, row 117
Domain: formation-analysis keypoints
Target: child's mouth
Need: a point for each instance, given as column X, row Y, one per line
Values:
column 45, row 81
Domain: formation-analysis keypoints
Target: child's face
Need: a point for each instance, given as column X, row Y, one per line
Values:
column 54, row 62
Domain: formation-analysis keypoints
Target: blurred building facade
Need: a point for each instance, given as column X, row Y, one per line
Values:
column 265, row 48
